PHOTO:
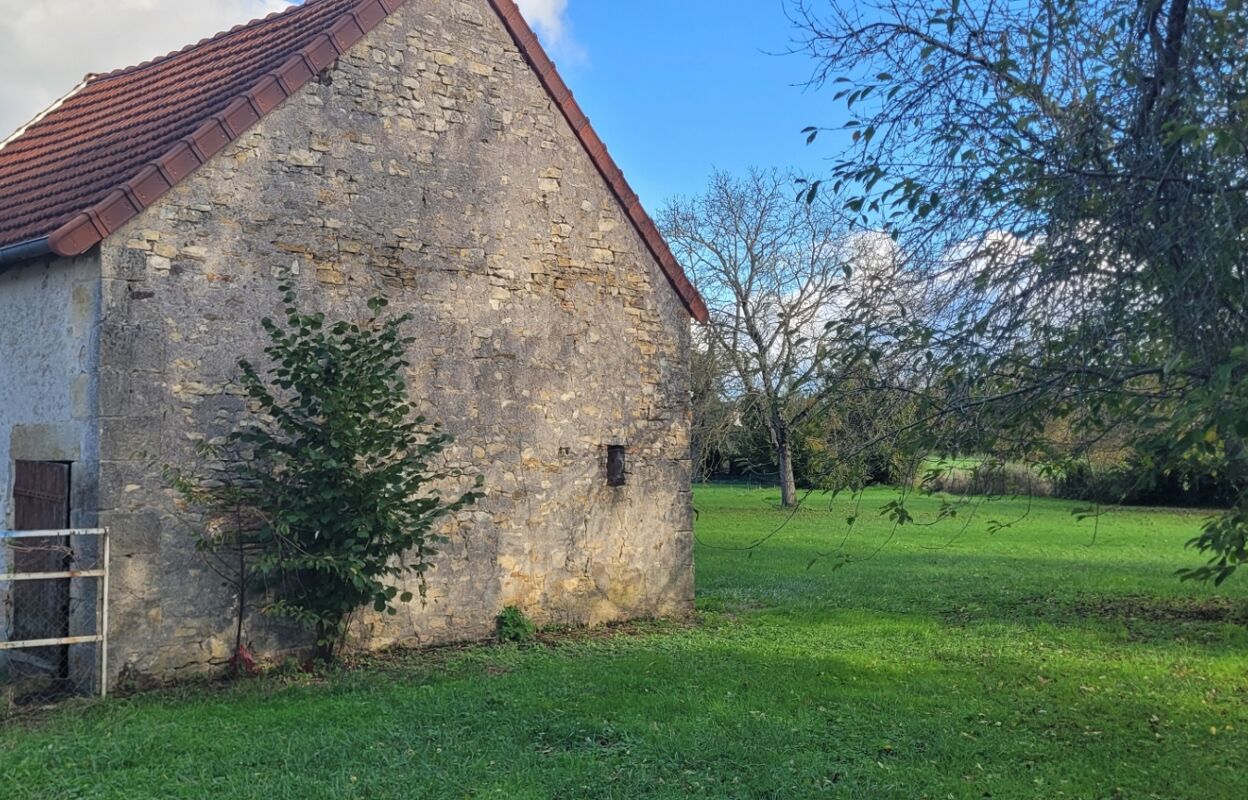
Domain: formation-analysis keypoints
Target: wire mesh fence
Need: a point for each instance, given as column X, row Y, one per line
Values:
column 53, row 616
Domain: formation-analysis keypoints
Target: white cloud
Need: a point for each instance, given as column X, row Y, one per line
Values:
column 550, row 19
column 547, row 16
column 47, row 46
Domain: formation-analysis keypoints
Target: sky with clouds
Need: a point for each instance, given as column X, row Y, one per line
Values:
column 674, row 88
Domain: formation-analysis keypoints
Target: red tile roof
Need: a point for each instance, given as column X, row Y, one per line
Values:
column 121, row 140
column 125, row 138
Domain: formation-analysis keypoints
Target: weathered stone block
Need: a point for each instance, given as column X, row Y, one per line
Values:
column 138, row 533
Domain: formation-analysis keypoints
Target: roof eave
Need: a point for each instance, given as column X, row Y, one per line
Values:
column 14, row 254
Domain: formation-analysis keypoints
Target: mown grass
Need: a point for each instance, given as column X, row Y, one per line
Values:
column 1051, row 659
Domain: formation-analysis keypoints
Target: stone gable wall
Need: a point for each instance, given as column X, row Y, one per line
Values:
column 429, row 162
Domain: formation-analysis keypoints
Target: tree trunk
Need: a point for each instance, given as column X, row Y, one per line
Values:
column 788, row 487
column 326, row 639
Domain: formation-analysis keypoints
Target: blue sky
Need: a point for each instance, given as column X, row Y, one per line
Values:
column 678, row 88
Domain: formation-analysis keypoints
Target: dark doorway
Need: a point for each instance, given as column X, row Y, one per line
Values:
column 616, row 465
column 41, row 608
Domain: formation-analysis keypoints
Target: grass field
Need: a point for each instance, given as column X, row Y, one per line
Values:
column 1049, row 660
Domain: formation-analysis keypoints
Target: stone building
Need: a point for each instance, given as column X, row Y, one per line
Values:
column 426, row 148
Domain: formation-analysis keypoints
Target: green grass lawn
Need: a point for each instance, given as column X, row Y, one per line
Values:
column 1052, row 659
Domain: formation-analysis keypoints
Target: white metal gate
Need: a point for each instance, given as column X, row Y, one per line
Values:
column 44, row 668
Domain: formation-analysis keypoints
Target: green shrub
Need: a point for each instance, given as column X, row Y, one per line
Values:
column 990, row 478
column 515, row 626
column 1136, row 482
column 335, row 477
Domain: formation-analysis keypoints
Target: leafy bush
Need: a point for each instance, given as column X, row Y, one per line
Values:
column 515, row 626
column 1134, row 481
column 1138, row 483
column 335, row 473
column 991, row 478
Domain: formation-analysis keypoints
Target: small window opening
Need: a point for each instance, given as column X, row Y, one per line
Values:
column 616, row 465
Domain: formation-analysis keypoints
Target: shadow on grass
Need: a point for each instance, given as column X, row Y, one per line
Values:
column 961, row 589
column 731, row 712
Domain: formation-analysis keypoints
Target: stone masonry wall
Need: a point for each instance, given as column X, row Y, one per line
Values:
column 429, row 162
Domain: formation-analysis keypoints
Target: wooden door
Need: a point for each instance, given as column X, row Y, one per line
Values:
column 41, row 608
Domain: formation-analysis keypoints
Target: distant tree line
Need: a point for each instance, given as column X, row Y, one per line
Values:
column 1029, row 248
column 1067, row 184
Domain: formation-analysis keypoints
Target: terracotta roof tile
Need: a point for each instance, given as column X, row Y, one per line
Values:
column 121, row 140
column 117, row 124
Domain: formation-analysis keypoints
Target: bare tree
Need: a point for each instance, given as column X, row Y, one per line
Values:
column 715, row 413
column 774, row 270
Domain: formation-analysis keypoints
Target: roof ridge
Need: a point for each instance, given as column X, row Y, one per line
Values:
column 60, row 101
column 296, row 5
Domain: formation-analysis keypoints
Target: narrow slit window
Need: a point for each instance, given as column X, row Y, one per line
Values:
column 616, row 473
